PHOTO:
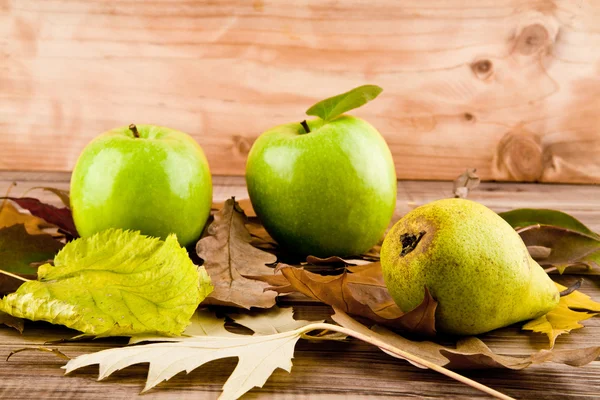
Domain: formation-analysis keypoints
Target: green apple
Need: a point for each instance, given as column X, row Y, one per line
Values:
column 147, row 178
column 326, row 186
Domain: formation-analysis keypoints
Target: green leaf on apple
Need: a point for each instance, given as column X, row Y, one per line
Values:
column 335, row 106
column 115, row 283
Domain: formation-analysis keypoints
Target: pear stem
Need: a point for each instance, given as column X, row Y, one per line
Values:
column 571, row 288
column 305, row 126
column 133, row 129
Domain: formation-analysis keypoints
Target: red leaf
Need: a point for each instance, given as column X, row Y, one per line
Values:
column 61, row 217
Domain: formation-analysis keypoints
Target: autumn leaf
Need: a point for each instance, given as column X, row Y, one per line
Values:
column 335, row 260
column 360, row 290
column 231, row 261
column 18, row 249
column 567, row 247
column 524, row 217
column 259, row 355
column 60, row 217
column 10, row 216
column 114, row 283
column 62, row 194
column 466, row 182
column 13, row 322
column 555, row 238
column 564, row 318
column 468, row 353
column 245, row 205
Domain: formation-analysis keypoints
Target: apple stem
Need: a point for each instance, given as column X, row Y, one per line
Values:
column 133, row 129
column 305, row 126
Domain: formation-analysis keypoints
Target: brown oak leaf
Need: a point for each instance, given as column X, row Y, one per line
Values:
column 232, row 262
column 361, row 291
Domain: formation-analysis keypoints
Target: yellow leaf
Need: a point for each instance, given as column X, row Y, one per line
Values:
column 9, row 215
column 563, row 318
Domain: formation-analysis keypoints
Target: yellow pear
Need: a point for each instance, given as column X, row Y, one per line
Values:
column 473, row 263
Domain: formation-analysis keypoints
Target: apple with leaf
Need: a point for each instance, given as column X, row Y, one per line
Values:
column 326, row 186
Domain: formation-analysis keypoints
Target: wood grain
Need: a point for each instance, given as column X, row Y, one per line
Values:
column 324, row 370
column 510, row 87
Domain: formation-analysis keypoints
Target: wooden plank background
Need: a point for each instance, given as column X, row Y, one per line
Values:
column 509, row 87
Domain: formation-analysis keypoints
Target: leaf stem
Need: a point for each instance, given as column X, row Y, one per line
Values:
column 14, row 276
column 305, row 126
column 134, row 129
column 408, row 356
column 571, row 288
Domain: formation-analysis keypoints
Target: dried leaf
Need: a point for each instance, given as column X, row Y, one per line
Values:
column 259, row 355
column 62, row 194
column 563, row 318
column 525, row 217
column 245, row 205
column 232, row 262
column 10, row 216
column 270, row 322
column 469, row 352
column 260, row 236
column 11, row 321
column 60, row 217
column 114, row 283
column 18, row 249
column 361, row 291
column 202, row 323
column 567, row 247
column 335, row 261
column 56, row 352
column 466, row 182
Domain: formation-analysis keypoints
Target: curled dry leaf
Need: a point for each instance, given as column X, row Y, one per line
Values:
column 56, row 352
column 335, row 260
column 469, row 352
column 60, row 217
column 361, row 291
column 571, row 309
column 567, row 247
column 232, row 262
column 12, row 322
column 466, row 182
column 555, row 238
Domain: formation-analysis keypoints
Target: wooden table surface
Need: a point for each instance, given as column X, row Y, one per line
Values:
column 330, row 369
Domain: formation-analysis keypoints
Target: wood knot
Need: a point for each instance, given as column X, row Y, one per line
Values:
column 241, row 144
column 532, row 39
column 483, row 69
column 519, row 156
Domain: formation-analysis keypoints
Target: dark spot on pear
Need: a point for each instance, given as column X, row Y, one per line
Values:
column 410, row 242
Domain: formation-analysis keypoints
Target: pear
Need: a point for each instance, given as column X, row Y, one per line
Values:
column 473, row 263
